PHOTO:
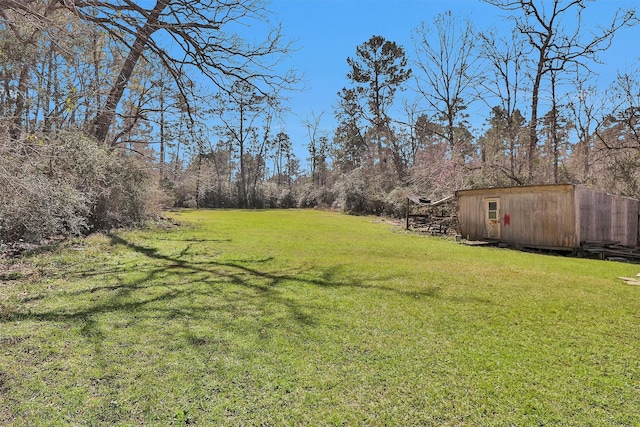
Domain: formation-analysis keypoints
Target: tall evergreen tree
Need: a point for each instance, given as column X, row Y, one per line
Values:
column 378, row 70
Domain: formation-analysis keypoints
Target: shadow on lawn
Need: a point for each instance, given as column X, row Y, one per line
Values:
column 243, row 273
column 165, row 303
column 328, row 276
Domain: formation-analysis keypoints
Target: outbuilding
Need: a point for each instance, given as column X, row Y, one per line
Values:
column 557, row 217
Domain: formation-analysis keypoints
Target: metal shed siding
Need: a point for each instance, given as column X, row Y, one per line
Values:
column 607, row 218
column 594, row 215
column 544, row 217
column 624, row 226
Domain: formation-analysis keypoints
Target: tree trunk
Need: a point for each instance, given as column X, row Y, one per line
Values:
column 533, row 123
column 105, row 118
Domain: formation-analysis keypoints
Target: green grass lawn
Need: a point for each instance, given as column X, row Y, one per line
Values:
column 310, row 318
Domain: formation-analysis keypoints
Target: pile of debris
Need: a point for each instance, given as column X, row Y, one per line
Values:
column 16, row 249
column 437, row 218
column 611, row 251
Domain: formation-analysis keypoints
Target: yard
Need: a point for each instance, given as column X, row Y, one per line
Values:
column 303, row 317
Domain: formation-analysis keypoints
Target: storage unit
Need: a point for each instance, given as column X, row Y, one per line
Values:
column 558, row 216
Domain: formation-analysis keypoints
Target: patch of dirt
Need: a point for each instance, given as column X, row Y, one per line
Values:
column 13, row 271
column 391, row 221
column 16, row 249
column 4, row 387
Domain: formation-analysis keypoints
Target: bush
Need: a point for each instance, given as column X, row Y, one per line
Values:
column 360, row 196
column 264, row 195
column 122, row 200
column 395, row 203
column 352, row 196
column 311, row 196
column 65, row 184
column 286, row 199
column 32, row 208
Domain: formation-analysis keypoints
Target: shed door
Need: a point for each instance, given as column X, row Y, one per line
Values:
column 492, row 218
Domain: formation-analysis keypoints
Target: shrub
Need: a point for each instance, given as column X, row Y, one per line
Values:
column 352, row 192
column 33, row 207
column 286, row 199
column 35, row 200
column 311, row 196
column 65, row 184
column 122, row 200
column 395, row 203
column 265, row 195
column 359, row 195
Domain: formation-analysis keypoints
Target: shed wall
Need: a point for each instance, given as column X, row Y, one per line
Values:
column 607, row 218
column 540, row 216
column 471, row 216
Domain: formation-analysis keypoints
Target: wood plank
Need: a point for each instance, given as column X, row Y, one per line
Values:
column 635, row 281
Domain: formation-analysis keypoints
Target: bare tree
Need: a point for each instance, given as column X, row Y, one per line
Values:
column 555, row 128
column 555, row 47
column 187, row 36
column 241, row 111
column 318, row 147
column 449, row 75
column 585, row 109
column 503, row 84
column 28, row 33
column 625, row 115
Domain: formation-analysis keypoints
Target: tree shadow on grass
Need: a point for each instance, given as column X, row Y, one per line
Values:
column 163, row 239
column 157, row 304
column 245, row 274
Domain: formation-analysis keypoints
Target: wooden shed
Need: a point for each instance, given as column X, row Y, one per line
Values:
column 559, row 216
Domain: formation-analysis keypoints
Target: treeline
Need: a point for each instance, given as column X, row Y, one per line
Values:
column 102, row 122
column 466, row 107
column 111, row 111
column 489, row 108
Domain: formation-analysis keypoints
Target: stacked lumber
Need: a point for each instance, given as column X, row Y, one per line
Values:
column 610, row 250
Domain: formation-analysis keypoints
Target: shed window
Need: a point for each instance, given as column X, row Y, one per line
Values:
column 492, row 210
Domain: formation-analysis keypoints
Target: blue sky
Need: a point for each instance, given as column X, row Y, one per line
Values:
column 328, row 31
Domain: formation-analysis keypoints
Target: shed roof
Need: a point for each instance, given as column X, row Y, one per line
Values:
column 542, row 188
column 519, row 189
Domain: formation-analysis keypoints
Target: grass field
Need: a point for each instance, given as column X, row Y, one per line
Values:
column 310, row 318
